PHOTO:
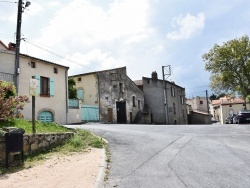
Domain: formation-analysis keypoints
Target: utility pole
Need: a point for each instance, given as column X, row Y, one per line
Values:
column 166, row 71
column 207, row 102
column 18, row 40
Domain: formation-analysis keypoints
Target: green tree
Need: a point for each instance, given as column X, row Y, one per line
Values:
column 229, row 65
column 72, row 89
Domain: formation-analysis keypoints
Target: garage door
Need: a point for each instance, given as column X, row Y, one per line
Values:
column 46, row 116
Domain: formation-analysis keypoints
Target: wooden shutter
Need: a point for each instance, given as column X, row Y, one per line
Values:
column 80, row 94
column 51, row 87
column 39, row 80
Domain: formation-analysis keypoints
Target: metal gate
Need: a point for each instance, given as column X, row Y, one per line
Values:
column 90, row 113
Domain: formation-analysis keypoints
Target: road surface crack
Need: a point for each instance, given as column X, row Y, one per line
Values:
column 174, row 158
column 151, row 157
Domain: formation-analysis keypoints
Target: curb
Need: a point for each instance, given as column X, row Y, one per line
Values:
column 102, row 170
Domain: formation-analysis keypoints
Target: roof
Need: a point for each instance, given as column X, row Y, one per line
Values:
column 172, row 83
column 228, row 101
column 138, row 82
column 38, row 59
column 83, row 74
column 27, row 56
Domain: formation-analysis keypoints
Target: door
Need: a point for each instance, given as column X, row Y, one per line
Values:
column 110, row 114
column 90, row 113
column 121, row 112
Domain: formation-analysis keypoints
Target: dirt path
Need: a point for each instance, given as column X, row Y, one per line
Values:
column 79, row 170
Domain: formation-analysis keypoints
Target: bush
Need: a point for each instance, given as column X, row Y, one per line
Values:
column 9, row 101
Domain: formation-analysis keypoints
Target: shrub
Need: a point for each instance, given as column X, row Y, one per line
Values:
column 9, row 101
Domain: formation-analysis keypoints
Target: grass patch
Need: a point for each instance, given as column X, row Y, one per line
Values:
column 80, row 142
column 41, row 127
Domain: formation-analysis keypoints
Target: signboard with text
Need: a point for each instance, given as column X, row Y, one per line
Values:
column 33, row 87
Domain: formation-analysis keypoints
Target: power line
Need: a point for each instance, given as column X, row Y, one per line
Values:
column 59, row 55
column 7, row 2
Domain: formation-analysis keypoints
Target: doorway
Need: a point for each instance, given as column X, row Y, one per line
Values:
column 121, row 112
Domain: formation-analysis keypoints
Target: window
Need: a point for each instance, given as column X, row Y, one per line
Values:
column 133, row 101
column 79, row 79
column 173, row 91
column 33, row 64
column 44, row 86
column 55, row 70
column 201, row 102
column 174, row 108
column 120, row 87
column 139, row 104
column 182, row 99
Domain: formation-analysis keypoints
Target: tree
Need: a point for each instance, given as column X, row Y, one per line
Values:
column 72, row 89
column 9, row 101
column 229, row 65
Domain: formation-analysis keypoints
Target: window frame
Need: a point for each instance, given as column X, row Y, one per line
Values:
column 44, row 86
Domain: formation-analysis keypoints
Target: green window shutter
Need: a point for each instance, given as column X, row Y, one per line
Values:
column 39, row 82
column 51, row 87
column 80, row 94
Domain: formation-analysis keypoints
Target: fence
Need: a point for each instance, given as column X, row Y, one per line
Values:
column 73, row 103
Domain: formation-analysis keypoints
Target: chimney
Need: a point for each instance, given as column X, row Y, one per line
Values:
column 12, row 46
column 154, row 75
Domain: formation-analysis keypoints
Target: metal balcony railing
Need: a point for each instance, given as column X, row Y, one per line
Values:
column 7, row 77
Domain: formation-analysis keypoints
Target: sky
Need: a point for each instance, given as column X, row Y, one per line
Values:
column 143, row 35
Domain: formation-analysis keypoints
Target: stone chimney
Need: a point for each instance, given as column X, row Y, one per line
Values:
column 154, row 75
column 12, row 46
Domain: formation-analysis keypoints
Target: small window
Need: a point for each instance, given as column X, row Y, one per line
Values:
column 55, row 70
column 139, row 104
column 173, row 91
column 33, row 64
column 133, row 101
column 174, row 108
column 120, row 87
column 79, row 79
column 201, row 102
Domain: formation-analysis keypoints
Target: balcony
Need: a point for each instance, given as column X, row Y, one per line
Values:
column 7, row 77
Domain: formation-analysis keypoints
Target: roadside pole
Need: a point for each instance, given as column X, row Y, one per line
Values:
column 33, row 93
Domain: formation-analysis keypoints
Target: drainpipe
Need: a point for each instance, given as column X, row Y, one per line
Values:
column 99, row 97
column 66, row 84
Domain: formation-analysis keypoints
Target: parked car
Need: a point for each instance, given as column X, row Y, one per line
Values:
column 243, row 116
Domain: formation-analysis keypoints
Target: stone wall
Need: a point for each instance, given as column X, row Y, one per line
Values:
column 35, row 142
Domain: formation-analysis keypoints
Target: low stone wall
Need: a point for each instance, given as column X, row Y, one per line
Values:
column 34, row 142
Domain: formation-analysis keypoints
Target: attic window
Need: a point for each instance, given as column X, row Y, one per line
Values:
column 33, row 64
column 55, row 70
column 79, row 79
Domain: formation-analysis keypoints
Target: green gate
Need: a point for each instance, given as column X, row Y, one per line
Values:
column 90, row 113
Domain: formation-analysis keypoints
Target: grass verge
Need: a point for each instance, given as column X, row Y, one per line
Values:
column 82, row 141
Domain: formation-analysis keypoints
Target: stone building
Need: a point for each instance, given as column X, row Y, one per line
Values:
column 166, row 107
column 114, row 95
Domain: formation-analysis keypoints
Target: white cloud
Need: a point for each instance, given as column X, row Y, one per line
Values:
column 188, row 26
column 92, row 61
column 91, row 24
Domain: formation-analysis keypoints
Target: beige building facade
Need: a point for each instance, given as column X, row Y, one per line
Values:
column 225, row 107
column 51, row 100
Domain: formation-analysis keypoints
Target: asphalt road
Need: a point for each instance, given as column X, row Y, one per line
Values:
column 152, row 156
